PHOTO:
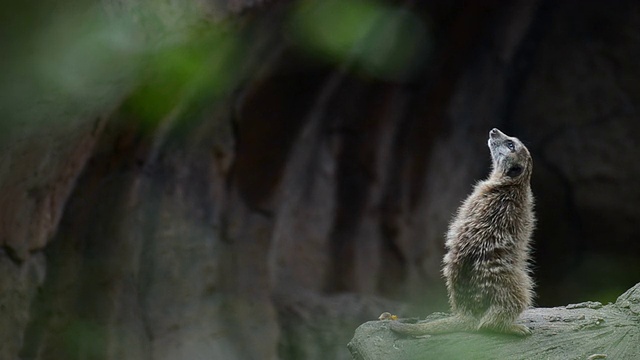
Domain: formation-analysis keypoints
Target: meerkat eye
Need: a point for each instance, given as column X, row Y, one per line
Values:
column 510, row 145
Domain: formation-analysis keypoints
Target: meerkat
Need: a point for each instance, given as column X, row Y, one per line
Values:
column 486, row 266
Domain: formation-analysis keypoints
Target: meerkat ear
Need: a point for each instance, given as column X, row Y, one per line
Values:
column 514, row 171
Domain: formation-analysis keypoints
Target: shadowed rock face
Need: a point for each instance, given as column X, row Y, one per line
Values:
column 231, row 224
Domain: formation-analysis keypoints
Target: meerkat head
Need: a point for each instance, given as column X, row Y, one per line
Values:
column 510, row 158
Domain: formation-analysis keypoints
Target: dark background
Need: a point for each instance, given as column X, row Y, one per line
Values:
column 237, row 179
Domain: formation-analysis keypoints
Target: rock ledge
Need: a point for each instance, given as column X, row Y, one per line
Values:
column 587, row 330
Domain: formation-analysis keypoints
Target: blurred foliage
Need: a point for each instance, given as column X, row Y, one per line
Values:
column 200, row 65
column 377, row 39
column 77, row 57
column 68, row 51
column 80, row 50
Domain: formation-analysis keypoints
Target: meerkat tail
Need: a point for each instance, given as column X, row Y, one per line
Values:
column 450, row 324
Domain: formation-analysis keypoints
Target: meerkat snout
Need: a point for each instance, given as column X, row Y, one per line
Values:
column 510, row 158
column 495, row 137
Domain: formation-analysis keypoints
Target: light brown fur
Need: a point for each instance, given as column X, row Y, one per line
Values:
column 487, row 262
